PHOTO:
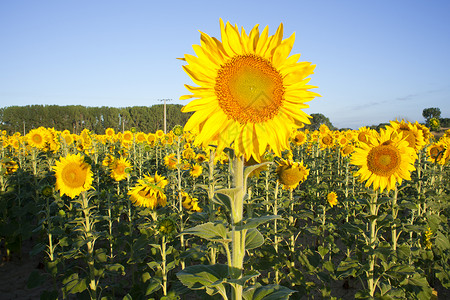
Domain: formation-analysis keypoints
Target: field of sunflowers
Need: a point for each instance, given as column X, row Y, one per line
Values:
column 133, row 215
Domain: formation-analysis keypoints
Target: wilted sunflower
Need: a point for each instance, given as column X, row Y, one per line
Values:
column 120, row 169
column 332, row 199
column 291, row 173
column 200, row 158
column 149, row 191
column 250, row 91
column 385, row 161
column 73, row 175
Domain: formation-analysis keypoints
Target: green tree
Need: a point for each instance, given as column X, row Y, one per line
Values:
column 432, row 112
column 317, row 120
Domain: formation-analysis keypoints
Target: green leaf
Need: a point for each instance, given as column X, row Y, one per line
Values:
column 153, row 286
column 222, row 199
column 247, row 276
column 210, row 231
column 72, row 284
column 38, row 248
column 268, row 292
column 253, row 239
column 127, row 297
column 323, row 251
column 209, row 277
column 441, row 241
column 254, row 222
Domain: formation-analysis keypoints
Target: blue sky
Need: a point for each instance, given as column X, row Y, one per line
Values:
column 376, row 60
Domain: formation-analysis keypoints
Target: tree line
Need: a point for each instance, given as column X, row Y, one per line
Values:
column 77, row 117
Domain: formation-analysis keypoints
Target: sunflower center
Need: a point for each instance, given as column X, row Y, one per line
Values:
column 74, row 175
column 383, row 160
column 120, row 169
column 249, row 89
column 37, row 138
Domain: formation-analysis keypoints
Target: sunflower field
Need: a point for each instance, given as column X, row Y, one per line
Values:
column 137, row 216
column 240, row 203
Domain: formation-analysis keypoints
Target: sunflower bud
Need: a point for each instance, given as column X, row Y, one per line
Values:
column 167, row 226
column 177, row 130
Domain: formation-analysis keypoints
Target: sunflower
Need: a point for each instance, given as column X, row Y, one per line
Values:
column 190, row 203
column 10, row 167
column 332, row 199
column 127, row 136
column 385, row 161
column 250, row 92
column 140, row 137
column 299, row 138
column 149, row 191
column 436, row 153
column 363, row 134
column 159, row 134
column 411, row 133
column 109, row 132
column 347, row 150
column 171, row 161
column 38, row 138
column 196, row 170
column 151, row 139
column 188, row 153
column 291, row 173
column 326, row 140
column 120, row 169
column 73, row 175
column 200, row 158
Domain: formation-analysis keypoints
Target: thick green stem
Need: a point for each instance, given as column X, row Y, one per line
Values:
column 394, row 209
column 237, row 236
column 373, row 208
column 90, row 244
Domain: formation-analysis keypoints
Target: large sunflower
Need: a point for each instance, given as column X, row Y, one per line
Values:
column 250, row 91
column 385, row 160
column 73, row 175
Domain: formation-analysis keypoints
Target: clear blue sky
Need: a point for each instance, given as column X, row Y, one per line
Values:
column 376, row 60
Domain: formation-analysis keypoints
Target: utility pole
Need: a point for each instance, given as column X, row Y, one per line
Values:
column 165, row 126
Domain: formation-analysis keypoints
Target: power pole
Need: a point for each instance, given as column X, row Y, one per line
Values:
column 165, row 118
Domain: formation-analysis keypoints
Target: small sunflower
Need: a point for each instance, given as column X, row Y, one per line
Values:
column 171, row 161
column 326, row 140
column 109, row 132
column 10, row 167
column 363, row 134
column 190, row 203
column 120, row 169
column 436, row 153
column 291, row 173
column 299, row 138
column 196, row 170
column 127, row 136
column 385, row 161
column 251, row 92
column 159, row 134
column 73, row 175
column 188, row 153
column 140, row 137
column 200, row 158
column 347, row 150
column 332, row 199
column 167, row 226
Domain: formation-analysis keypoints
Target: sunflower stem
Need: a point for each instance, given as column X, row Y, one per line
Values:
column 237, row 236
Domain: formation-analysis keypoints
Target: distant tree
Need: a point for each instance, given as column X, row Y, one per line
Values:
column 432, row 112
column 317, row 120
